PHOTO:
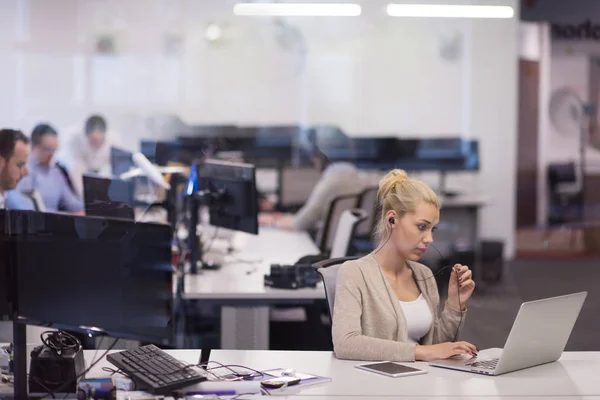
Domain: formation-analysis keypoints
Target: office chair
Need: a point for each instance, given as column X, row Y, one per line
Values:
column 326, row 234
column 328, row 269
column 367, row 202
column 346, row 228
column 362, row 242
column 341, row 246
column 565, row 198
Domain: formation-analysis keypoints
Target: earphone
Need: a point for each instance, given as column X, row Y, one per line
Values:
column 392, row 221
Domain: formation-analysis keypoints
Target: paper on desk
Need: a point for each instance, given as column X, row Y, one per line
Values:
column 137, row 395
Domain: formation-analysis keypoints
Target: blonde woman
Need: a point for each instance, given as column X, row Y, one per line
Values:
column 386, row 302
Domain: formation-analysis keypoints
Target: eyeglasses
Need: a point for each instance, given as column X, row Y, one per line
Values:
column 50, row 150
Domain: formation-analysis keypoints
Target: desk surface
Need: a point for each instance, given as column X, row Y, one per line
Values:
column 242, row 274
column 573, row 375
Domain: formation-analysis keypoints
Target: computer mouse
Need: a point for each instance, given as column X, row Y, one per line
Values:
column 289, row 372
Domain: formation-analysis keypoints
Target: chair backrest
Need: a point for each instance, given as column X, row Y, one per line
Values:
column 338, row 205
column 561, row 173
column 344, row 233
column 368, row 203
column 328, row 269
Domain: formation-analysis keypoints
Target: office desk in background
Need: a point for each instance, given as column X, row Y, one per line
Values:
column 572, row 377
column 238, row 287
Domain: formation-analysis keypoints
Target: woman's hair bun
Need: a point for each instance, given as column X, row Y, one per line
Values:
column 390, row 180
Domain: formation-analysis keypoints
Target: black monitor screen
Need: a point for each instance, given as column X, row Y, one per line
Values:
column 148, row 149
column 233, row 186
column 121, row 161
column 183, row 150
column 6, row 287
column 82, row 272
column 111, row 198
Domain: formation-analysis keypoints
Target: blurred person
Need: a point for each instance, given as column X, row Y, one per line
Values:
column 88, row 152
column 14, row 151
column 337, row 179
column 46, row 177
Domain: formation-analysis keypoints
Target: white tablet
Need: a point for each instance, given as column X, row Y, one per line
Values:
column 391, row 369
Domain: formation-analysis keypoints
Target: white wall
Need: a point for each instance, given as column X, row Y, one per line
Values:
column 370, row 75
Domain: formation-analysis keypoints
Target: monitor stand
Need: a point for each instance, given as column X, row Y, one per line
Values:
column 442, row 187
column 196, row 261
column 20, row 359
column 204, row 358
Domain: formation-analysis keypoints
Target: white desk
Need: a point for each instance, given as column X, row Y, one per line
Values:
column 573, row 377
column 239, row 286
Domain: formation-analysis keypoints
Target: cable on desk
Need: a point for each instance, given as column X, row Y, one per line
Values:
column 60, row 341
column 230, row 368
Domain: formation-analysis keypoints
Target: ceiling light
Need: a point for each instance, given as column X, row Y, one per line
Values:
column 297, row 10
column 449, row 11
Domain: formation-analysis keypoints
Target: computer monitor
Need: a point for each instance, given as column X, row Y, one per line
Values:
column 277, row 141
column 232, row 195
column 449, row 154
column 186, row 152
column 148, row 149
column 121, row 161
column 365, row 152
column 229, row 191
column 329, row 138
column 109, row 197
column 6, row 302
column 91, row 274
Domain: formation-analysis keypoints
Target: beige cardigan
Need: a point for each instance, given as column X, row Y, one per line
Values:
column 368, row 322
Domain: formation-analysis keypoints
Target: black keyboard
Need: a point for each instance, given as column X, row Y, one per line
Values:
column 155, row 371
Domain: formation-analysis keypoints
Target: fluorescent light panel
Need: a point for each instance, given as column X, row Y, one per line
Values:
column 297, row 9
column 449, row 11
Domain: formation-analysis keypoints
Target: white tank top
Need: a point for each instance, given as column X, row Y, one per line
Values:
column 418, row 318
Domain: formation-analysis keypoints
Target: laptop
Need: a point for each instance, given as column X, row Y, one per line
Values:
column 538, row 336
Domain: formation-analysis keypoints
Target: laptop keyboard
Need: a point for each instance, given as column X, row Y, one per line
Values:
column 487, row 364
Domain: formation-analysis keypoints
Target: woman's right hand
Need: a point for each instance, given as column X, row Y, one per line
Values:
column 444, row 350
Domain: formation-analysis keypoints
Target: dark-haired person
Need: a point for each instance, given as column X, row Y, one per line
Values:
column 88, row 151
column 337, row 179
column 45, row 177
column 14, row 151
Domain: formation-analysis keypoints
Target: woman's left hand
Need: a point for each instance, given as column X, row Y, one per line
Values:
column 461, row 285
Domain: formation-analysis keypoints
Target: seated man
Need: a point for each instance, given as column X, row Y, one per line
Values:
column 337, row 179
column 46, row 177
column 14, row 152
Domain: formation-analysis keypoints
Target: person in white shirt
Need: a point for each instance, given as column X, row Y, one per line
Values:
column 337, row 179
column 88, row 152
